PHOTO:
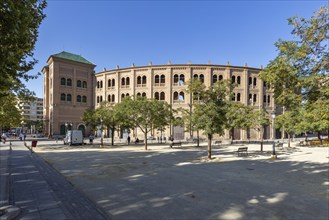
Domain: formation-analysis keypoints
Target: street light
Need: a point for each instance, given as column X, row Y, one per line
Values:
column 101, row 120
column 274, row 156
column 191, row 133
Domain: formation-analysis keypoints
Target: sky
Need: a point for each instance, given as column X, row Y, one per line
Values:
column 110, row 33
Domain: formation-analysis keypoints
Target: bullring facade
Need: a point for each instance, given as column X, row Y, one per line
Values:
column 64, row 102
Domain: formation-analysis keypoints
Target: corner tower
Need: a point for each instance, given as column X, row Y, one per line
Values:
column 68, row 92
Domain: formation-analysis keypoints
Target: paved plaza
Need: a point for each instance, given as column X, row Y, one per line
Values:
column 127, row 182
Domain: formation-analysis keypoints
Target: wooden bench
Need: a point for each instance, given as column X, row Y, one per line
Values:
column 242, row 150
column 175, row 144
column 280, row 145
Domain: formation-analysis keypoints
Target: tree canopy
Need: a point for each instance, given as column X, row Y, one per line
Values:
column 299, row 73
column 19, row 23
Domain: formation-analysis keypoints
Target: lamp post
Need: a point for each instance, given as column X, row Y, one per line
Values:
column 101, row 120
column 66, row 124
column 191, row 133
column 274, row 156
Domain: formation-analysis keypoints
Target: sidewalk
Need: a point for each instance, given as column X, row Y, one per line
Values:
column 38, row 190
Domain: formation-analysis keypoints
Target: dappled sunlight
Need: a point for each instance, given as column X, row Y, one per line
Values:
column 277, row 197
column 232, row 213
column 183, row 183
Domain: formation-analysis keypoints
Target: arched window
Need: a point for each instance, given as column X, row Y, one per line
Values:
column 163, row 79
column 138, row 94
column 143, row 94
column 79, row 84
column 255, row 81
column 181, row 79
column 84, row 99
column 250, row 81
column 101, row 84
column 264, row 84
column 175, row 96
column 156, row 96
column 69, row 97
column 144, row 80
column 109, row 82
column 79, row 98
column 123, row 81
column 63, row 96
column 156, row 79
column 233, row 97
column 233, row 79
column 181, row 96
column 255, row 98
column 176, row 78
column 195, row 76
column 238, row 97
column 220, row 77
column 264, row 99
column 69, row 82
column 238, row 80
column 109, row 98
column 63, row 81
column 162, row 96
column 97, row 84
column 139, row 80
column 97, row 99
column 84, row 84
column 101, row 98
column 268, row 100
column 214, row 79
column 201, row 77
column 127, row 95
column 250, row 98
column 127, row 81
column 113, row 82
column 113, row 98
column 122, row 96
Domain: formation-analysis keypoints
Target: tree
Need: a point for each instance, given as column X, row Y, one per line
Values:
column 288, row 120
column 111, row 117
column 10, row 116
column 19, row 22
column 146, row 114
column 90, row 117
column 210, row 108
column 258, row 120
column 299, row 74
column 238, row 115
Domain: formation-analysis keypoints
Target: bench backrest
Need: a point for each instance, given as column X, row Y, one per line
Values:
column 242, row 148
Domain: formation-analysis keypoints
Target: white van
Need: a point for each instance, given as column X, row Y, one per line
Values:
column 73, row 137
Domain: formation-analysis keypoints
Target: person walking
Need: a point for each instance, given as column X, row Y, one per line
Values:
column 4, row 138
column 91, row 138
column 128, row 139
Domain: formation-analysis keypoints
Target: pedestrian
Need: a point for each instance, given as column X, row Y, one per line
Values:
column 21, row 136
column 91, row 138
column 128, row 139
column 24, row 136
column 4, row 138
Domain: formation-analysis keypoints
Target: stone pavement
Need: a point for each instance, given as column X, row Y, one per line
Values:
column 38, row 190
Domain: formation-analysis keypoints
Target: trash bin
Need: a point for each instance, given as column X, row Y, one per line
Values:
column 34, row 143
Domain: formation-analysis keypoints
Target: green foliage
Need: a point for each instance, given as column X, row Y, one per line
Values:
column 90, row 118
column 238, row 116
column 146, row 114
column 210, row 107
column 19, row 22
column 299, row 74
column 10, row 115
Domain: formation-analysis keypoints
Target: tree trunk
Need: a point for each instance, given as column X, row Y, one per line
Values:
column 198, row 138
column 231, row 135
column 112, row 136
column 145, row 140
column 288, row 139
column 209, row 146
column 262, row 139
column 319, row 137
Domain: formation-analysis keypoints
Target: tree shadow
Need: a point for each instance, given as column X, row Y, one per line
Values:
column 176, row 184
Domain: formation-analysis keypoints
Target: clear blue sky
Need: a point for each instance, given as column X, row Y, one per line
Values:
column 110, row 33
